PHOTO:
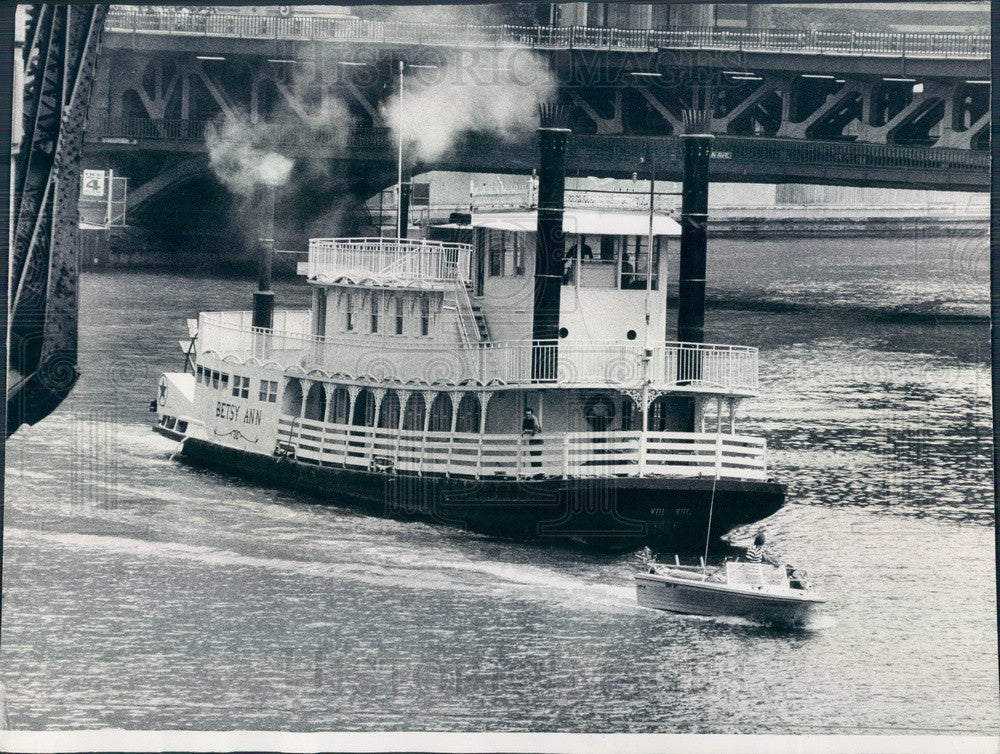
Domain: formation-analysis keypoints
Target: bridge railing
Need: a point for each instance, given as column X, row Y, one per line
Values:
column 182, row 22
column 605, row 149
column 617, row 149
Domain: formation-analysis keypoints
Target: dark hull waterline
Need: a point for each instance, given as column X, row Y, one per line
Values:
column 613, row 514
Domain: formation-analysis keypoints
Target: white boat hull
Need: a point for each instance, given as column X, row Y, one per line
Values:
column 787, row 607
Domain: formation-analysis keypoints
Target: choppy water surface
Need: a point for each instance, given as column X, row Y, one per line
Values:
column 142, row 593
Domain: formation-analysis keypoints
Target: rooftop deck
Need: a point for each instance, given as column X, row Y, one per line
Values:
column 624, row 364
column 387, row 261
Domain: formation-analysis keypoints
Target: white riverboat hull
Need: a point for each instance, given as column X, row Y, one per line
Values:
column 684, row 593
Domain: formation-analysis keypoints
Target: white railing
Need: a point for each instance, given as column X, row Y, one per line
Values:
column 568, row 455
column 623, row 363
column 389, row 259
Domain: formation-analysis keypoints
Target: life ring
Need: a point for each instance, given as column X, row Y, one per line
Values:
column 599, row 411
column 284, row 10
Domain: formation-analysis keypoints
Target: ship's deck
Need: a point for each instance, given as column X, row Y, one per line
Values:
column 624, row 364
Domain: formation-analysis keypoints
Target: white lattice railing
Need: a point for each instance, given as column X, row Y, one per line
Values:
column 623, row 363
column 567, row 455
column 388, row 259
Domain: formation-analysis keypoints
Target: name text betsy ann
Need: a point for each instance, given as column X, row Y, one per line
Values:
column 231, row 412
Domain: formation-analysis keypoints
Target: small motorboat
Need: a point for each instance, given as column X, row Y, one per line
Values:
column 761, row 592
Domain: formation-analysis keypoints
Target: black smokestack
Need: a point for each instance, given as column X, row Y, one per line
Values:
column 263, row 299
column 552, row 138
column 697, row 148
column 405, row 189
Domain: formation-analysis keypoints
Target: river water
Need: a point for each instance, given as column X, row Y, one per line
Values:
column 141, row 593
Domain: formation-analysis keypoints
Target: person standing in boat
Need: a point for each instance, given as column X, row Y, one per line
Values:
column 530, row 426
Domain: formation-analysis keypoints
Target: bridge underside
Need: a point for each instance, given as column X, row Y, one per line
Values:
column 888, row 120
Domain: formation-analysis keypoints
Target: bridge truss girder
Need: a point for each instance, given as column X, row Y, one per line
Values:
column 60, row 52
column 161, row 84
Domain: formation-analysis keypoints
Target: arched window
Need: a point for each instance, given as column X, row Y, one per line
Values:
column 628, row 414
column 316, row 402
column 291, row 399
column 340, row 406
column 413, row 418
column 440, row 414
column 469, row 412
column 374, row 312
column 388, row 412
column 364, row 409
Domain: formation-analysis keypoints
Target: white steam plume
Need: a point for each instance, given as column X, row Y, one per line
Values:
column 238, row 158
column 498, row 94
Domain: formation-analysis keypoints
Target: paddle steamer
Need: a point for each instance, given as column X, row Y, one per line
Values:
column 403, row 388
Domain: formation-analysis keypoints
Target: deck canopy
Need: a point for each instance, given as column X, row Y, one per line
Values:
column 580, row 221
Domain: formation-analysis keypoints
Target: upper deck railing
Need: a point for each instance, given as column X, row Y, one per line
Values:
column 175, row 21
column 388, row 259
column 700, row 367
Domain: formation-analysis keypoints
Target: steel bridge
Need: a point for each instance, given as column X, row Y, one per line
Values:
column 847, row 108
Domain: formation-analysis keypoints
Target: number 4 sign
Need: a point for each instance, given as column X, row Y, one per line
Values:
column 93, row 182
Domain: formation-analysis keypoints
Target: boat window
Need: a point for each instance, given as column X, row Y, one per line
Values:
column 215, row 379
column 199, row 374
column 496, row 262
column 425, row 316
column 349, row 312
column 518, row 254
column 581, row 248
column 399, row 315
column 241, row 386
column 374, row 313
column 319, row 320
column 635, row 263
column 628, row 414
column 269, row 391
column 224, row 379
